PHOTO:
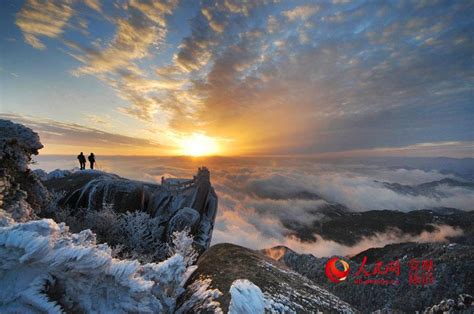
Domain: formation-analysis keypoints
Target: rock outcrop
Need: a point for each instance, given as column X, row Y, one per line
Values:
column 178, row 204
column 23, row 194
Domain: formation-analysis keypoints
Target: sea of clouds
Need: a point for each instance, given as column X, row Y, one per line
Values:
column 258, row 197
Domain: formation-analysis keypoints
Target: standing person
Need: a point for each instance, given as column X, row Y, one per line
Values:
column 82, row 160
column 91, row 160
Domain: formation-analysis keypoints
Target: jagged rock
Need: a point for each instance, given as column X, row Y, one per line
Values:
column 285, row 291
column 185, row 218
column 192, row 205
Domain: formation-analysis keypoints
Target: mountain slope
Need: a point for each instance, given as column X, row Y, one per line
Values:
column 453, row 273
column 284, row 289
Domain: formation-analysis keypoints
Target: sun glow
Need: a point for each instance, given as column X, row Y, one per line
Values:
column 199, row 145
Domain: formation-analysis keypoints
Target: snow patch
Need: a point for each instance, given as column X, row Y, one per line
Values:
column 202, row 298
column 246, row 297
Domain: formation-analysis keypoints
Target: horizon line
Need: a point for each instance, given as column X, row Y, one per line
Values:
column 266, row 156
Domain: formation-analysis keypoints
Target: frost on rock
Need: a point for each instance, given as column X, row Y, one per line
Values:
column 202, row 299
column 192, row 206
column 17, row 144
column 58, row 173
column 246, row 297
column 44, row 268
column 22, row 188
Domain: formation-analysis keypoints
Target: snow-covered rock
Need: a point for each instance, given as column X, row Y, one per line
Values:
column 44, row 268
column 17, row 144
column 193, row 207
column 186, row 217
column 23, row 193
column 246, row 297
column 201, row 299
column 41, row 174
column 57, row 173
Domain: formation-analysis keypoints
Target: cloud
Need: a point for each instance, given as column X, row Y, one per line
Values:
column 215, row 25
column 39, row 18
column 116, row 63
column 76, row 136
column 155, row 10
column 282, row 78
column 302, row 12
column 326, row 248
column 94, row 4
column 361, row 192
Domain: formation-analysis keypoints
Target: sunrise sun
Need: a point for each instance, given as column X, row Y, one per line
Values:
column 199, row 144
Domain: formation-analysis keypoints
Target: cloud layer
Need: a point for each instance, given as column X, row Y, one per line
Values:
column 76, row 136
column 265, row 202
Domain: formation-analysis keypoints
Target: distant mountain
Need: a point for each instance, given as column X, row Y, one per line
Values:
column 429, row 188
column 285, row 290
column 348, row 228
column 450, row 261
column 461, row 167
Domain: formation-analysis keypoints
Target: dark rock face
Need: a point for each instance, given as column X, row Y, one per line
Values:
column 225, row 263
column 191, row 205
column 453, row 273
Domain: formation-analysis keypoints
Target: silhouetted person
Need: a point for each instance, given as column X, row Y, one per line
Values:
column 91, row 160
column 82, row 160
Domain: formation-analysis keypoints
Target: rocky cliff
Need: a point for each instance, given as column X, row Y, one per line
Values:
column 177, row 204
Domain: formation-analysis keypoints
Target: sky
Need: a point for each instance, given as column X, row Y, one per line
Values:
column 263, row 77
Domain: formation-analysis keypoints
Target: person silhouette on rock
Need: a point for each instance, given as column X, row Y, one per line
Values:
column 82, row 160
column 91, row 160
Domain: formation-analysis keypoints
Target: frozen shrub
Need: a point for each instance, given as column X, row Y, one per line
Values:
column 131, row 235
column 48, row 269
column 182, row 243
column 140, row 234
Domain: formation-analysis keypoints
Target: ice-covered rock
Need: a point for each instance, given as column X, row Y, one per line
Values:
column 191, row 205
column 23, row 193
column 186, row 217
column 17, row 144
column 57, row 173
column 246, row 297
column 41, row 174
column 44, row 268
column 201, row 299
